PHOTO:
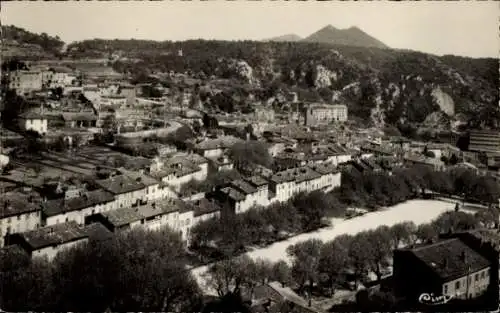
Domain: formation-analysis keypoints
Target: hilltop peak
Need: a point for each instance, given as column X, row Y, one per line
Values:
column 329, row 27
column 353, row 36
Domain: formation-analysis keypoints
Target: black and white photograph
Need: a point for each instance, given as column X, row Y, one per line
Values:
column 249, row 156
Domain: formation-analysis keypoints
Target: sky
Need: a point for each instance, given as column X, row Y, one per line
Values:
column 467, row 28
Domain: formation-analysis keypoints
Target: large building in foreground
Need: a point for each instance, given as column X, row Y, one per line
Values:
column 448, row 267
column 321, row 114
column 484, row 141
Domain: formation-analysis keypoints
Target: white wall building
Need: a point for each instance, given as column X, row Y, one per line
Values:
column 77, row 208
column 49, row 241
column 17, row 214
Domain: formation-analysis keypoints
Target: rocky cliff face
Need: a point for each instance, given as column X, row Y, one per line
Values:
column 428, row 92
column 381, row 85
column 444, row 100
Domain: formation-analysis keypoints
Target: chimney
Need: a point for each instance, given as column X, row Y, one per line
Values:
column 445, row 263
column 463, row 256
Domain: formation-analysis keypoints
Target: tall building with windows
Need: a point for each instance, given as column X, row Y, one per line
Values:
column 484, row 141
column 318, row 114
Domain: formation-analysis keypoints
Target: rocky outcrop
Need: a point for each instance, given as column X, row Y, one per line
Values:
column 444, row 101
column 323, row 77
column 437, row 121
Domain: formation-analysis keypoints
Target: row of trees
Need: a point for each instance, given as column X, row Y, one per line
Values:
column 374, row 189
column 305, row 212
column 323, row 267
column 134, row 271
column 328, row 265
column 302, row 213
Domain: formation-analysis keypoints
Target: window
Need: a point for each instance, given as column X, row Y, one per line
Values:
column 19, row 217
column 445, row 289
column 476, row 277
column 457, row 285
column 482, row 275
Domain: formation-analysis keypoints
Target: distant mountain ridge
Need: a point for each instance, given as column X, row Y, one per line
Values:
column 352, row 36
column 285, row 38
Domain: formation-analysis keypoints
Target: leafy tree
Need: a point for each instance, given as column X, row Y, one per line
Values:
column 333, row 260
column 228, row 276
column 149, row 91
column 403, row 233
column 281, row 272
column 57, row 92
column 247, row 155
column 305, row 262
column 426, row 232
column 110, row 124
column 31, row 281
column 453, row 159
column 379, row 249
column 430, row 154
column 455, row 221
column 359, row 255
column 180, row 136
column 488, row 217
column 100, row 274
column 311, row 208
column 13, row 64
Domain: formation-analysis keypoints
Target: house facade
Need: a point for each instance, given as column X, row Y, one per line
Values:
column 447, row 267
column 19, row 214
column 33, row 121
column 127, row 191
column 49, row 241
column 25, row 81
column 76, row 207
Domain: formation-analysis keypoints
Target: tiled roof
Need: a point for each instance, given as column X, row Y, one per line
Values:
column 278, row 294
column 53, row 235
column 446, row 258
column 243, row 186
column 88, row 199
column 121, row 217
column 257, row 181
column 218, row 143
column 120, row 184
column 129, row 215
column 79, row 116
column 324, row 168
column 298, row 175
column 164, row 172
column 158, row 208
column 16, row 203
column 203, row 206
column 142, row 178
column 33, row 114
column 98, row 232
column 192, row 158
column 233, row 193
